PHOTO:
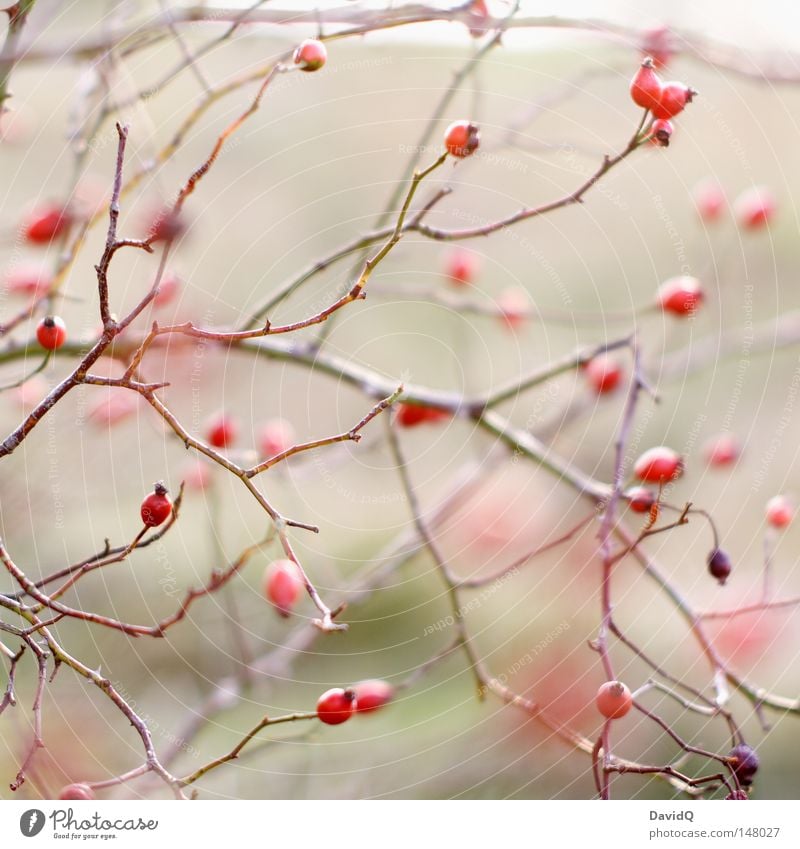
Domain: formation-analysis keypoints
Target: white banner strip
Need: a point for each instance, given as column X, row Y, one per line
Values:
column 402, row 824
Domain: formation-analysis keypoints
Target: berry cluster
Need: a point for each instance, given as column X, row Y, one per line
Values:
column 663, row 100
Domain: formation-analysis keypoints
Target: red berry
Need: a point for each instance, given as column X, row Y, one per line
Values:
column 657, row 43
column 646, row 86
column 674, row 97
column 46, row 224
column 283, row 585
column 336, row 706
column 754, row 208
column 168, row 289
column 411, row 415
column 780, row 511
column 661, row 132
column 603, row 373
column 744, row 762
column 723, row 450
column 310, row 55
column 76, row 792
column 156, row 507
column 479, row 15
column 709, row 200
column 719, row 565
column 658, row 464
column 167, row 225
column 614, row 700
column 372, row 694
column 28, row 280
column 680, row 295
column 461, row 267
column 640, row 498
column 514, row 306
column 222, row 431
column 462, row 139
column 51, row 332
column 276, row 436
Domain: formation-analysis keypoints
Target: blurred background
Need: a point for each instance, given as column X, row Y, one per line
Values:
column 309, row 172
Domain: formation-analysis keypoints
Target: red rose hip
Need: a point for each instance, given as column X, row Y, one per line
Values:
column 156, row 507
column 780, row 511
column 411, row 415
column 336, row 706
column 657, row 465
column 51, row 333
column 222, row 431
column 462, row 139
column 614, row 700
column 283, row 585
column 310, row 55
column 674, row 97
column 680, row 296
column 754, row 208
column 46, row 224
column 372, row 694
column 604, row 374
column 646, row 86
column 640, row 499
column 661, row 132
column 460, row 267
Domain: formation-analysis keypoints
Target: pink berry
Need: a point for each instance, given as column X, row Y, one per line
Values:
column 657, row 43
column 112, row 409
column 461, row 139
column 680, row 296
column 310, row 55
column 645, row 86
column 168, row 289
column 674, row 97
column 780, row 511
column 336, row 706
column 156, row 507
column 275, row 437
column 754, row 208
column 461, row 267
column 372, row 694
column 604, row 374
column 660, row 464
column 283, row 585
column 76, row 793
column 222, row 431
column 709, row 200
column 51, row 333
column 28, row 281
column 723, row 450
column 514, row 307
